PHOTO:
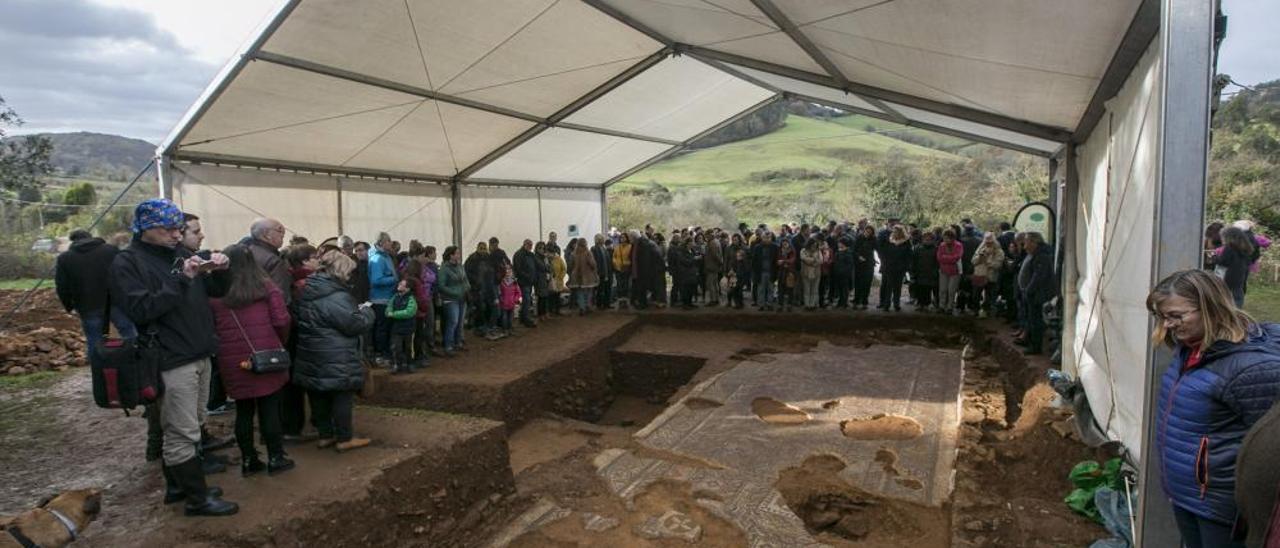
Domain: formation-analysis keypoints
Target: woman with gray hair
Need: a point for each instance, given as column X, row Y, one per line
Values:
column 327, row 361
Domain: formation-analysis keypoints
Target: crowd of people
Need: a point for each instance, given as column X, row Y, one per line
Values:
column 343, row 306
column 1232, row 252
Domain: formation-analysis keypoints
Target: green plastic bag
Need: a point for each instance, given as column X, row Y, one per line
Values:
column 1087, row 477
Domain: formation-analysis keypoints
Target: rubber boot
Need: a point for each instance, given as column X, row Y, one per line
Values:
column 210, row 464
column 173, row 491
column 155, row 434
column 201, row 500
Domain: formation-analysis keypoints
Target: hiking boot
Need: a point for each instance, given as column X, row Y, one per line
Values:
column 279, row 463
column 250, row 465
column 353, row 443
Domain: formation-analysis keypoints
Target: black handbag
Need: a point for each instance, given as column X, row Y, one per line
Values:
column 127, row 371
column 262, row 361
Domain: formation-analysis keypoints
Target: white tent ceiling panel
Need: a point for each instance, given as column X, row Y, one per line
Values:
column 800, row 87
column 543, row 96
column 373, row 37
column 418, row 143
column 510, row 214
column 563, row 209
column 562, row 52
column 277, row 112
column 570, row 156
column 807, row 12
column 695, row 21
column 306, row 204
column 977, row 129
column 1019, row 92
column 675, row 99
column 775, row 47
column 407, row 211
column 990, row 55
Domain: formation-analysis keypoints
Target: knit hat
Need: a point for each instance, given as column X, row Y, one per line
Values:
column 156, row 213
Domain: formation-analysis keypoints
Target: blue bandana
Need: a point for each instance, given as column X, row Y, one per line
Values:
column 156, row 213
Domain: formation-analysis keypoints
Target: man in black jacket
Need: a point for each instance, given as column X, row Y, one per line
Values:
column 82, row 287
column 165, row 291
column 525, row 265
column 484, row 287
column 1035, row 281
column 604, row 264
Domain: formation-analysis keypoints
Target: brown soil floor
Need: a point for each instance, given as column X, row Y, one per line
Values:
column 1009, row 488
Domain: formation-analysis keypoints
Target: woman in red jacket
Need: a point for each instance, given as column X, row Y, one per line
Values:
column 950, row 252
column 252, row 317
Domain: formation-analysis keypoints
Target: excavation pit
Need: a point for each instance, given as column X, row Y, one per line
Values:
column 753, row 429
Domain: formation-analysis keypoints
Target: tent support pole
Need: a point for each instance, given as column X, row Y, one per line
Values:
column 456, row 199
column 540, row 227
column 1186, row 42
column 604, row 210
column 337, row 183
column 164, row 176
column 1070, row 277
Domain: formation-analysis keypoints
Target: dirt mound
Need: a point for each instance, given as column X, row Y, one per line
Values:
column 775, row 412
column 882, row 427
column 39, row 335
column 841, row 514
column 41, row 349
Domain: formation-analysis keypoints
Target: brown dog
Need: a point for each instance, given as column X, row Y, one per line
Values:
column 57, row 521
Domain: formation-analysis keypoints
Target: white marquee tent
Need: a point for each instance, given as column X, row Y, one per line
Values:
column 449, row 120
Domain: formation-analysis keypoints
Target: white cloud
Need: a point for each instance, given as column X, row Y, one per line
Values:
column 1249, row 53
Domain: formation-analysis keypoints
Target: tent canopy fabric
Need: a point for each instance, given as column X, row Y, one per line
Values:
column 579, row 92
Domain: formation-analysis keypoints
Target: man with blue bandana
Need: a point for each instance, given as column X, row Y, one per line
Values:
column 165, row 291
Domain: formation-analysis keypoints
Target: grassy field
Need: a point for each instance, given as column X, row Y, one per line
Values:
column 1263, row 301
column 805, row 149
column 23, row 283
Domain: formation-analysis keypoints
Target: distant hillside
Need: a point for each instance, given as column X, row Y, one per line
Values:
column 98, row 155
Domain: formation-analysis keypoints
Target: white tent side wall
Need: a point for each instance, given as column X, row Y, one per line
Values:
column 1113, row 252
column 406, row 210
column 228, row 199
column 514, row 214
column 563, row 208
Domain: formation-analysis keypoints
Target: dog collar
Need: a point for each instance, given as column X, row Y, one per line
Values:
column 21, row 538
column 66, row 522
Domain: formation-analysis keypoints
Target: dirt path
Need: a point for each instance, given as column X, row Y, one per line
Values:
column 55, row 439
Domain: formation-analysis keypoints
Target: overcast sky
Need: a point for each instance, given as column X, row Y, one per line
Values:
column 132, row 67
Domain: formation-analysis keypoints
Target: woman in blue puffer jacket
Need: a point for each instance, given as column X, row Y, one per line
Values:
column 1224, row 376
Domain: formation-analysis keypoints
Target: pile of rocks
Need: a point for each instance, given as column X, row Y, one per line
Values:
column 41, row 349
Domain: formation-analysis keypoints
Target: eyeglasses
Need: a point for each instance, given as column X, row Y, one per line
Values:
column 1175, row 317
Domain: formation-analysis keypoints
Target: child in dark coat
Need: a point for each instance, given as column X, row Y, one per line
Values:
column 402, row 310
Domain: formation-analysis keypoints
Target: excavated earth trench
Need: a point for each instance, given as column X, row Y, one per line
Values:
column 708, row 428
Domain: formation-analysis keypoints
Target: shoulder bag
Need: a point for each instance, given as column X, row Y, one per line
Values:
column 261, row 361
column 126, row 373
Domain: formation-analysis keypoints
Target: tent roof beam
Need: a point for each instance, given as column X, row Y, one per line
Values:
column 334, row 72
column 568, row 110
column 667, row 153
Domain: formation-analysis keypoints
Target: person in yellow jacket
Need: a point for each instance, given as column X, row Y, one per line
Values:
column 558, row 271
column 622, row 269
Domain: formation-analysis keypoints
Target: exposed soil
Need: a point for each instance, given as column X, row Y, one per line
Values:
column 882, row 427
column 39, row 336
column 840, row 514
column 775, row 412
column 563, row 403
